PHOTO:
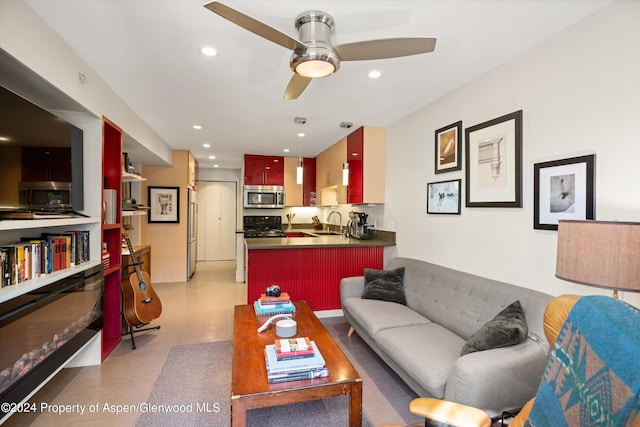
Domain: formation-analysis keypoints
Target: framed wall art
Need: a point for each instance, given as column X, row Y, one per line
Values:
column 493, row 152
column 448, row 145
column 563, row 189
column 444, row 197
column 164, row 204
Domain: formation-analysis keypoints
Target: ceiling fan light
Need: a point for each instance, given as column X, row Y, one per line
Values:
column 314, row 61
column 315, row 68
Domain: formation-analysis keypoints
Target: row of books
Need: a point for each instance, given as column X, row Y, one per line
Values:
column 294, row 359
column 34, row 257
column 267, row 306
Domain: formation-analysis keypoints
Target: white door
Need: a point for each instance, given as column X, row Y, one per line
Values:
column 216, row 221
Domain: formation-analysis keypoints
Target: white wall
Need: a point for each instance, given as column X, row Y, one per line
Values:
column 580, row 94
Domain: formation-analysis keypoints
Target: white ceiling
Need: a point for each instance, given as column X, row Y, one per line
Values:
column 148, row 51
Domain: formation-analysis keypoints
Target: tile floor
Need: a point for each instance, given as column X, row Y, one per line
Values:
column 195, row 311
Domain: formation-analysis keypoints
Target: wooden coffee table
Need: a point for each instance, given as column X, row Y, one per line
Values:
column 250, row 388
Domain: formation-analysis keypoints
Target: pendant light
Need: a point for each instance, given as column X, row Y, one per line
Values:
column 345, row 173
column 299, row 171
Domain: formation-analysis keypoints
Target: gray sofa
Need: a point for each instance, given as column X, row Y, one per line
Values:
column 422, row 341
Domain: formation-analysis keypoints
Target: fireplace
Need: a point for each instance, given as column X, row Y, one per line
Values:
column 42, row 329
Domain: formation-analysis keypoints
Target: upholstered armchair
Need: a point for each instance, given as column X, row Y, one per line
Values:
column 592, row 376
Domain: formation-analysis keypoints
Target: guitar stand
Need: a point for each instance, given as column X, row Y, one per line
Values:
column 137, row 329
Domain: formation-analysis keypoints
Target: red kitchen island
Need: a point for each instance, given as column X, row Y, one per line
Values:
column 310, row 268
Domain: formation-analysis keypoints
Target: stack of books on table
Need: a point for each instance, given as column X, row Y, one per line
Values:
column 267, row 306
column 294, row 359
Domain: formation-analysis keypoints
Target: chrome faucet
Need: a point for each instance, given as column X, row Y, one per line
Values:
column 339, row 217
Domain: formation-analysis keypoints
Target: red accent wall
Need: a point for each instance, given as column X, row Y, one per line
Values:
column 310, row 274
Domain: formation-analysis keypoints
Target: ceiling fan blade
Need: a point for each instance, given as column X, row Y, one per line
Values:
column 253, row 25
column 385, row 48
column 296, row 86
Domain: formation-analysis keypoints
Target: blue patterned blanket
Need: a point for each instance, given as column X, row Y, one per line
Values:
column 593, row 374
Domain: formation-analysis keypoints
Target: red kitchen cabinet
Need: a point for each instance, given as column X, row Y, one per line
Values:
column 263, row 170
column 309, row 182
column 46, row 164
column 355, row 151
column 366, row 158
column 300, row 194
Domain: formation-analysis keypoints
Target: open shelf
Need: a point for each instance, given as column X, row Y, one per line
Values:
column 131, row 177
column 13, row 224
column 133, row 213
column 13, row 291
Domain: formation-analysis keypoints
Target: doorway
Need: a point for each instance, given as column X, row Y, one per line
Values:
column 216, row 221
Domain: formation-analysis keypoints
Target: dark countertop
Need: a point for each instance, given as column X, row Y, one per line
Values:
column 325, row 241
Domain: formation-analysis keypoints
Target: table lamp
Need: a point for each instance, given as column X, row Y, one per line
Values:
column 602, row 254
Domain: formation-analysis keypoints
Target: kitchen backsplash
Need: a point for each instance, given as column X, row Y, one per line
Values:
column 304, row 215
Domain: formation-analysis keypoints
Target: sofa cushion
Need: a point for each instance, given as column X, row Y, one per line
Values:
column 375, row 315
column 509, row 327
column 386, row 285
column 426, row 352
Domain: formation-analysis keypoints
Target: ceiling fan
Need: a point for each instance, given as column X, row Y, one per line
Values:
column 313, row 55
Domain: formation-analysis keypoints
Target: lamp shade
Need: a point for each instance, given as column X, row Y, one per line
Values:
column 599, row 253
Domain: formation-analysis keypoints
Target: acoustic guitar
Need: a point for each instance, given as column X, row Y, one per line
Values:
column 141, row 303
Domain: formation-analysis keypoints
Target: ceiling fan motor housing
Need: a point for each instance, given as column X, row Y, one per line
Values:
column 314, row 29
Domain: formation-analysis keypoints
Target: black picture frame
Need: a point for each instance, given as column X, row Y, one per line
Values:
column 493, row 168
column 444, row 198
column 563, row 189
column 448, row 148
column 164, row 205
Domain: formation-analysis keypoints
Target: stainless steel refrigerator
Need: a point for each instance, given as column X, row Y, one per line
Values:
column 191, row 233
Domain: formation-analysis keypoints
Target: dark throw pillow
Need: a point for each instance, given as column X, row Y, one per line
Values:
column 386, row 285
column 509, row 327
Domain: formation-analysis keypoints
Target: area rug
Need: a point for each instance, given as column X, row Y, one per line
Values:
column 194, row 389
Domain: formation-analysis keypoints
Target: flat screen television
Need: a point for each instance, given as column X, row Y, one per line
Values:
column 40, row 158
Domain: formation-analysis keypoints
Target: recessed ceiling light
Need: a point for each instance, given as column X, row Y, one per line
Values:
column 208, row 51
column 215, row 166
column 4, row 138
column 205, row 145
column 212, row 157
column 286, row 150
column 301, row 135
column 374, row 74
column 198, row 127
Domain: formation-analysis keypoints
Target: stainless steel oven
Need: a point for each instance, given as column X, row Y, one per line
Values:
column 263, row 226
column 263, row 196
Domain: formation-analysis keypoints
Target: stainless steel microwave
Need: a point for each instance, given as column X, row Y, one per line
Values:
column 46, row 195
column 263, row 196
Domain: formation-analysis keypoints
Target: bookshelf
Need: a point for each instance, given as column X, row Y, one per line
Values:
column 111, row 236
column 127, row 191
